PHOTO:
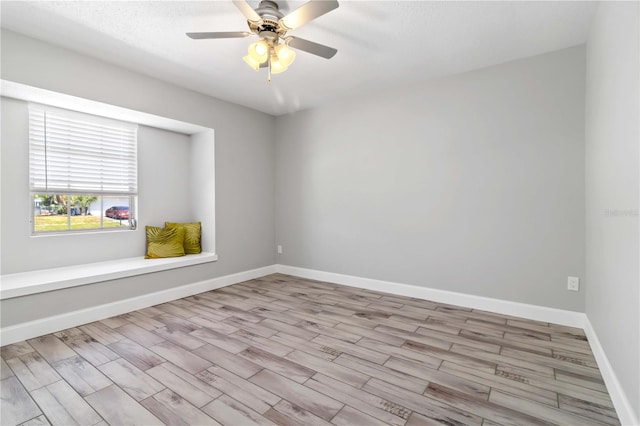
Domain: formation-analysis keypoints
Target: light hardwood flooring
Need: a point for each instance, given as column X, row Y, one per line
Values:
column 284, row 350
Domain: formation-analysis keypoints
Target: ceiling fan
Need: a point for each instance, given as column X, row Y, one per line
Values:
column 273, row 51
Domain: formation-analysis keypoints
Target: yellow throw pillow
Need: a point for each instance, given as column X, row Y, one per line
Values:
column 164, row 242
column 192, row 235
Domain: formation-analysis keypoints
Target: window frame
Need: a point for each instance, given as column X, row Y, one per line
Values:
column 131, row 226
column 131, row 196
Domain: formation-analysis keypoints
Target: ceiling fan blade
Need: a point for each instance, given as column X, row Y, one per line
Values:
column 248, row 12
column 233, row 34
column 311, row 47
column 307, row 12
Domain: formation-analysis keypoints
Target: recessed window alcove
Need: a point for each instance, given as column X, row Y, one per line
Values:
column 176, row 179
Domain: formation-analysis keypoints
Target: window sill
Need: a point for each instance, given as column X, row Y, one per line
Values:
column 40, row 281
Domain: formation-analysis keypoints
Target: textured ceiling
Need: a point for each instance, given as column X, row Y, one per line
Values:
column 380, row 44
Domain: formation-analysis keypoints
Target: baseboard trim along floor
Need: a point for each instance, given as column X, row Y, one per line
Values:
column 31, row 329
column 523, row 310
column 617, row 394
column 40, row 327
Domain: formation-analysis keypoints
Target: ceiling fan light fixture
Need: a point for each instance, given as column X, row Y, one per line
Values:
column 252, row 62
column 272, row 50
column 259, row 51
column 285, row 54
column 277, row 66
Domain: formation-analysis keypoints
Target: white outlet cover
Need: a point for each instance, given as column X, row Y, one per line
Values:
column 573, row 284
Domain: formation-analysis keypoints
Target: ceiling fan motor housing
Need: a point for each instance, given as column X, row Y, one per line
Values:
column 269, row 9
column 270, row 28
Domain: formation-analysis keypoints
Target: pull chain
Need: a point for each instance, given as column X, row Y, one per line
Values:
column 269, row 70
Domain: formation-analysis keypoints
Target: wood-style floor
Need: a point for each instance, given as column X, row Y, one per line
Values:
column 283, row 350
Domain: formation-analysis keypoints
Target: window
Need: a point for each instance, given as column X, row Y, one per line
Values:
column 82, row 171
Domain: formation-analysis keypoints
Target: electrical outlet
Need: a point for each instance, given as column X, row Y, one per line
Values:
column 279, row 249
column 573, row 284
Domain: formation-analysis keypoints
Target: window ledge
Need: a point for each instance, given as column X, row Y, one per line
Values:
column 40, row 281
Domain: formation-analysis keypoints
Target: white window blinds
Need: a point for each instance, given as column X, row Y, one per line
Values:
column 70, row 152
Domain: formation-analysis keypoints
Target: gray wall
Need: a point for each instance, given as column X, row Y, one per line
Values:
column 473, row 183
column 163, row 196
column 244, row 168
column 202, row 186
column 612, row 189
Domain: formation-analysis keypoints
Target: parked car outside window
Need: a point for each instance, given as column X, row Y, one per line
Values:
column 117, row 212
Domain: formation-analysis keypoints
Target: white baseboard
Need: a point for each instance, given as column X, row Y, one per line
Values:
column 522, row 310
column 31, row 329
column 617, row 394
